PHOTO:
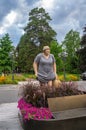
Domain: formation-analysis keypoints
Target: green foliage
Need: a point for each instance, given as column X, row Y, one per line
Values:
column 8, row 79
column 71, row 45
column 38, row 28
column 25, row 77
column 83, row 51
column 69, row 77
column 56, row 49
column 37, row 34
column 26, row 53
column 5, row 49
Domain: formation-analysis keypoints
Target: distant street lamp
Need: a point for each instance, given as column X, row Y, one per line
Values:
column 12, row 67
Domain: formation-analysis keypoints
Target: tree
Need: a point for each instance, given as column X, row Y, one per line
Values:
column 83, row 51
column 71, row 44
column 38, row 28
column 26, row 53
column 56, row 49
column 5, row 49
column 37, row 34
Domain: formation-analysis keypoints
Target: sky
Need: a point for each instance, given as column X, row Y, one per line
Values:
column 65, row 14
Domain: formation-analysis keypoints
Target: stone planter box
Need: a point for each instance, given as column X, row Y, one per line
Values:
column 69, row 113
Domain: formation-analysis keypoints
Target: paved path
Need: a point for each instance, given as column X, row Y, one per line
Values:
column 8, row 108
column 82, row 85
column 8, row 93
column 9, row 117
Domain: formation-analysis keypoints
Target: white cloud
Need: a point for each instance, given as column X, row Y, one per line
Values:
column 8, row 21
column 10, row 18
column 48, row 4
column 65, row 15
column 63, row 28
column 17, row 18
column 2, row 30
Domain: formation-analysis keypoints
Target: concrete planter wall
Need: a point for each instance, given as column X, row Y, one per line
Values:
column 69, row 114
column 67, row 102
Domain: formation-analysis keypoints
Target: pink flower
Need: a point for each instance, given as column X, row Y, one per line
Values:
column 28, row 111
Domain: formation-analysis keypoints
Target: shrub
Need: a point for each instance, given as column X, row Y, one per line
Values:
column 19, row 77
column 61, row 77
column 69, row 77
column 73, row 77
column 8, row 79
column 37, row 94
column 2, row 79
column 68, row 89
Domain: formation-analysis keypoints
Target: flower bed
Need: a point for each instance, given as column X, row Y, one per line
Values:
column 31, row 112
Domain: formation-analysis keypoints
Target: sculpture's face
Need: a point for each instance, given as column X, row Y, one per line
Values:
column 47, row 52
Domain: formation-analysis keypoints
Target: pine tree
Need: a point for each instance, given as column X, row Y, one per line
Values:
column 5, row 49
column 38, row 28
